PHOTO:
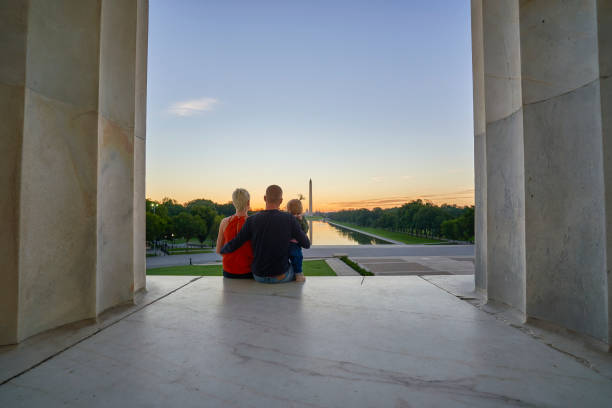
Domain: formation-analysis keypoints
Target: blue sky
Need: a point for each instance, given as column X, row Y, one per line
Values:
column 372, row 100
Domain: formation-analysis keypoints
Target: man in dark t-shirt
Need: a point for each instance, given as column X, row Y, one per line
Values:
column 270, row 232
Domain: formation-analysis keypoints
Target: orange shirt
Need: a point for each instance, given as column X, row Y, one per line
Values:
column 239, row 261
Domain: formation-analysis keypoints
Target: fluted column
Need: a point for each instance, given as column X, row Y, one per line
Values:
column 504, row 153
column 564, row 177
column 57, row 235
column 115, row 277
column 480, row 149
column 604, row 27
column 547, row 152
column 140, row 137
column 13, row 39
column 71, row 102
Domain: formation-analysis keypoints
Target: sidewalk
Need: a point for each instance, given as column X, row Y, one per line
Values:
column 341, row 268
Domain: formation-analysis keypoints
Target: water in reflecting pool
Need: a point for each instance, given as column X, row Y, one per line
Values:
column 323, row 233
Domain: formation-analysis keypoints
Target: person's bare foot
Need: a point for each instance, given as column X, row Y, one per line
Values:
column 299, row 277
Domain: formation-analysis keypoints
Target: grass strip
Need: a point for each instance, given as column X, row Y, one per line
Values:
column 311, row 268
column 188, row 270
column 356, row 267
column 317, row 268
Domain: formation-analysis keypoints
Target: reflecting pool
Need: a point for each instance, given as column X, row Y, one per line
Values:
column 323, row 233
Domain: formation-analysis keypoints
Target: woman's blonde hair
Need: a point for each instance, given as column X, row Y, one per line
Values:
column 295, row 207
column 240, row 198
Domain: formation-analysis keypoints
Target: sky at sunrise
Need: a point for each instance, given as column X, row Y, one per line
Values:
column 370, row 99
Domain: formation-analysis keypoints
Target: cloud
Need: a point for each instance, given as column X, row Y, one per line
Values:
column 461, row 197
column 376, row 179
column 192, row 107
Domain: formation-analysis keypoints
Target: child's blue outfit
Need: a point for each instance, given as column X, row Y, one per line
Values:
column 295, row 250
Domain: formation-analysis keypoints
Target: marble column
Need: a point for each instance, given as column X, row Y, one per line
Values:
column 57, row 236
column 115, row 278
column 70, row 94
column 505, row 195
column 480, row 149
column 604, row 26
column 545, row 191
column 140, row 136
column 564, row 180
column 13, row 39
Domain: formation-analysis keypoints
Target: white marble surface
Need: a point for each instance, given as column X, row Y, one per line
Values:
column 565, row 212
column 333, row 342
column 480, row 146
column 13, row 39
column 541, row 199
column 503, row 157
column 604, row 15
column 502, row 59
column 68, row 104
column 57, row 259
column 63, row 48
column 458, row 285
column 19, row 358
column 558, row 47
column 506, row 211
column 140, row 133
column 117, row 96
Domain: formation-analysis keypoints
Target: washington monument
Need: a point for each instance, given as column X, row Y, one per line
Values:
column 310, row 197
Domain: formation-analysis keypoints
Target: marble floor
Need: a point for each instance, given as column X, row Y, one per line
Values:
column 382, row 341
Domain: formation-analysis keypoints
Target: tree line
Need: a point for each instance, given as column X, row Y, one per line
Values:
column 199, row 219
column 415, row 218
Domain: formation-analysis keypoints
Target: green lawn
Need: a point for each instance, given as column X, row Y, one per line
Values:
column 397, row 236
column 313, row 217
column 317, row 268
column 191, row 270
column 311, row 268
column 355, row 267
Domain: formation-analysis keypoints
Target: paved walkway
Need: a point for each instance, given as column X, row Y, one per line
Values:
column 328, row 251
column 418, row 265
column 341, row 268
column 339, row 342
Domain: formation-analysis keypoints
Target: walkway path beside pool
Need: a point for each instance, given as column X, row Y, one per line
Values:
column 328, row 251
column 340, row 268
column 366, row 233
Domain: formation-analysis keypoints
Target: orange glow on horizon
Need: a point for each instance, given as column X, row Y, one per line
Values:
column 459, row 198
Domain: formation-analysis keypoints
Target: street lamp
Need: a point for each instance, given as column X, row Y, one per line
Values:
column 154, row 207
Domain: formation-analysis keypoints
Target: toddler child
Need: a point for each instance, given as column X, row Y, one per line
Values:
column 294, row 207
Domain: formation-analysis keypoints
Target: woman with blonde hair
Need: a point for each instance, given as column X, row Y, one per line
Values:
column 236, row 265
